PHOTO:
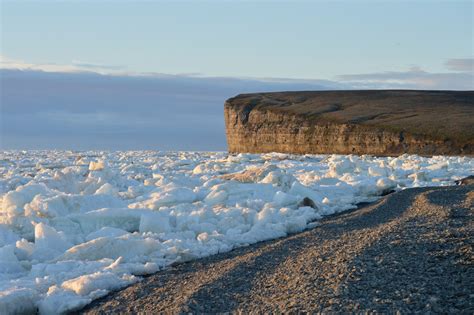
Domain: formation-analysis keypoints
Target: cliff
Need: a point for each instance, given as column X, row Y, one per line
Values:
column 378, row 122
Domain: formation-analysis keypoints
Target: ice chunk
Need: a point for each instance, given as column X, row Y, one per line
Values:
column 123, row 218
column 14, row 201
column 106, row 232
column 378, row 171
column 339, row 166
column 131, row 248
column 251, row 175
column 64, row 204
column 60, row 301
column 84, row 285
column 24, row 249
column 155, row 222
column 18, row 301
column 169, row 197
column 303, row 191
column 279, row 178
column 282, row 199
column 7, row 236
column 8, row 261
column 107, row 189
column 386, row 184
column 96, row 166
column 48, row 242
column 216, row 197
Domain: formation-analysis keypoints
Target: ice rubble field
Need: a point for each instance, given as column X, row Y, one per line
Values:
column 76, row 225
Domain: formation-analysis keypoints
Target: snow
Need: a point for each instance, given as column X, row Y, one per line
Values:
column 76, row 225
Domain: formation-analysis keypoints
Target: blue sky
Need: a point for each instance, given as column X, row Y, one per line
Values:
column 94, row 48
column 255, row 38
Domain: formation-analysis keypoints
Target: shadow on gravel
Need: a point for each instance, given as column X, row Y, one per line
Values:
column 447, row 197
column 390, row 207
column 426, row 265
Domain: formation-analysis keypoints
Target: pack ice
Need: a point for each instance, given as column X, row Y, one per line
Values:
column 76, row 225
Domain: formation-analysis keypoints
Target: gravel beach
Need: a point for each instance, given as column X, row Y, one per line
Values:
column 410, row 252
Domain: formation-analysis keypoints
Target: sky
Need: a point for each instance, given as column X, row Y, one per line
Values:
column 155, row 74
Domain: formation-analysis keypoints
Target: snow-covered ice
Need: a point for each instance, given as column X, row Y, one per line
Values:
column 76, row 225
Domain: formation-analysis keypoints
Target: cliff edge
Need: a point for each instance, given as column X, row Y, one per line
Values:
column 378, row 122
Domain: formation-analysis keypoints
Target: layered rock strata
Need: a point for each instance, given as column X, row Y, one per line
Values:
column 378, row 122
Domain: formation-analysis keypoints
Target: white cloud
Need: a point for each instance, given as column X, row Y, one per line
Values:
column 75, row 66
column 78, row 66
column 414, row 78
column 460, row 77
column 95, row 66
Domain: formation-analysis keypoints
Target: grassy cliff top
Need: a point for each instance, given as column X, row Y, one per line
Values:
column 446, row 115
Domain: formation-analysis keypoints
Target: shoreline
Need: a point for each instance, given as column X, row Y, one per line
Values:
column 327, row 268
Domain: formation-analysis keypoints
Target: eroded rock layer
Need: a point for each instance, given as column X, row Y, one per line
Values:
column 379, row 122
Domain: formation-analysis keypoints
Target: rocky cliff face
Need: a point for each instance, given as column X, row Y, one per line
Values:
column 352, row 122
